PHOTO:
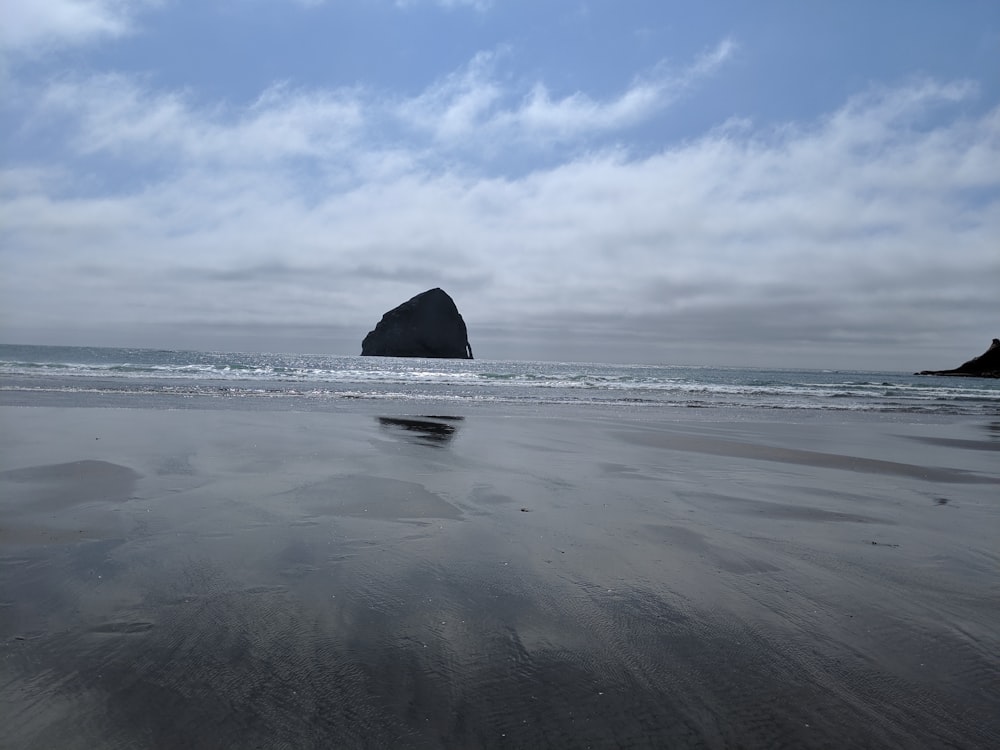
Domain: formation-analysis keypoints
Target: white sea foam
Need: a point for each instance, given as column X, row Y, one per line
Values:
column 272, row 376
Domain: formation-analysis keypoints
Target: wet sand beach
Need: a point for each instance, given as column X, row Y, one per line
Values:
column 557, row 577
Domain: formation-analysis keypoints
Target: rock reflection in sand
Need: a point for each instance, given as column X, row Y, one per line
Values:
column 430, row 430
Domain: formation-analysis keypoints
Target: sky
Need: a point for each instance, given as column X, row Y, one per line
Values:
column 786, row 184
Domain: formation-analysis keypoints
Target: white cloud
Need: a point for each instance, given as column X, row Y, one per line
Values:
column 116, row 115
column 32, row 26
column 455, row 106
column 470, row 112
column 473, row 106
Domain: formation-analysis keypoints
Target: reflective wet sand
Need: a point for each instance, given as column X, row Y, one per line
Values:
column 569, row 579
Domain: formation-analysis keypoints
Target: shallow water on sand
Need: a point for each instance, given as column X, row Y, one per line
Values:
column 552, row 578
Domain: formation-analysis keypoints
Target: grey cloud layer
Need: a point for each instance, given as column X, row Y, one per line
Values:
column 875, row 224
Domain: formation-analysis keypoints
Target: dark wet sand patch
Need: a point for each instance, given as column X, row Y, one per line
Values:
column 123, row 628
column 782, row 510
column 690, row 541
column 971, row 445
column 622, row 470
column 55, row 486
column 28, row 535
column 759, row 452
column 488, row 496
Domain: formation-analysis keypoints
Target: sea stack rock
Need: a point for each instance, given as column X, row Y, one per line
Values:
column 986, row 365
column 429, row 325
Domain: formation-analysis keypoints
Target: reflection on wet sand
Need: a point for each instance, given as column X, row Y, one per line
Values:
column 430, row 430
column 373, row 497
column 62, row 503
column 342, row 589
column 59, row 486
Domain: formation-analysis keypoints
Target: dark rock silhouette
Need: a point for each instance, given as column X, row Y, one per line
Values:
column 429, row 325
column 986, row 365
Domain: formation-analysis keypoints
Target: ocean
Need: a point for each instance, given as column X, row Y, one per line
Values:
column 32, row 375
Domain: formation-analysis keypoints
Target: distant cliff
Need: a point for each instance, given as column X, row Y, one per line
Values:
column 986, row 365
column 429, row 325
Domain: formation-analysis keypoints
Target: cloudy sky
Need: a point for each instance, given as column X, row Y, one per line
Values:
column 788, row 183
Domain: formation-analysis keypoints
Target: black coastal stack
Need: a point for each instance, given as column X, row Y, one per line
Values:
column 986, row 365
column 429, row 325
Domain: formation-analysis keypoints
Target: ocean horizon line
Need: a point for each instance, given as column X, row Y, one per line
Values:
column 530, row 360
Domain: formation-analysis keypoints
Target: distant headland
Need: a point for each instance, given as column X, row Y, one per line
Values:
column 428, row 325
column 986, row 365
